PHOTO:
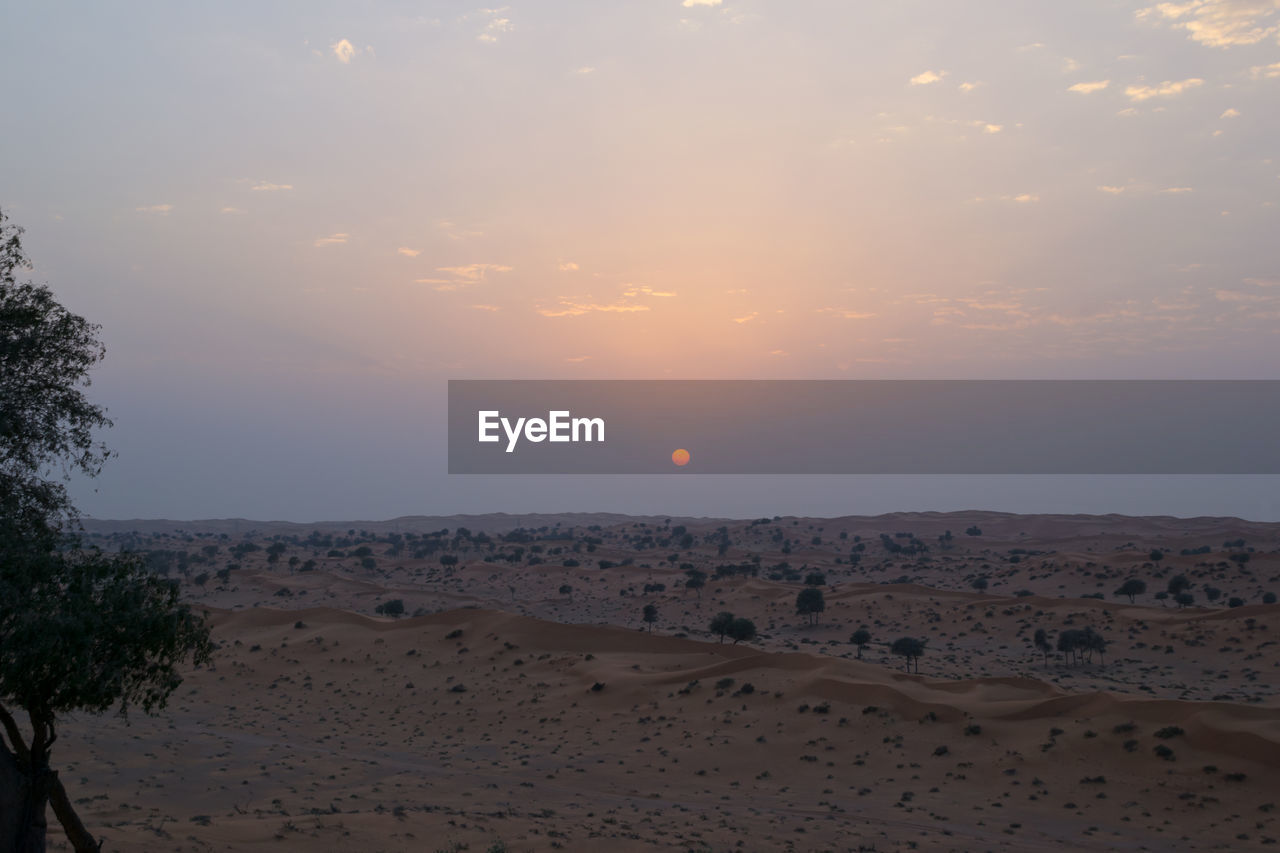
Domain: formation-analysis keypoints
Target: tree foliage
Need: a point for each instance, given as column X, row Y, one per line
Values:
column 860, row 638
column 1132, row 588
column 810, row 602
column 80, row 631
column 911, row 648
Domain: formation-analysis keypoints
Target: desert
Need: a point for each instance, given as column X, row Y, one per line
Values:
column 489, row 683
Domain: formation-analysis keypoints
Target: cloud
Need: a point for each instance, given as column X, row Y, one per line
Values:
column 1231, row 112
column 646, row 290
column 486, row 307
column 1110, row 189
column 231, row 211
column 343, row 50
column 586, row 69
column 577, row 309
column 577, row 359
column 158, row 209
column 689, row 4
column 474, row 272
column 844, row 314
column 1088, row 88
column 455, row 233
column 1268, row 71
column 1026, row 198
column 1263, row 282
column 992, row 128
column 567, row 266
column 331, row 240
column 264, row 187
column 924, row 78
column 1177, row 190
column 747, row 318
column 1167, row 89
column 1237, row 296
column 968, row 87
column 409, row 253
column 497, row 25
column 1218, row 23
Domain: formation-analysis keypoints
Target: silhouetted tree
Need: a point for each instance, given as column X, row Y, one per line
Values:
column 1042, row 644
column 1132, row 588
column 860, row 638
column 911, row 648
column 650, row 616
column 721, row 624
column 810, row 603
column 1178, row 584
column 742, row 630
column 1184, row 599
column 80, row 631
column 815, row 579
column 567, row 591
column 695, row 580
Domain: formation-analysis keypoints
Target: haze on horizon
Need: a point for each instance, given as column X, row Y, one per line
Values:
column 295, row 222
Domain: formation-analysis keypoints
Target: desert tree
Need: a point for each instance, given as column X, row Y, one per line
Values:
column 80, row 631
column 1069, row 644
column 1042, row 644
column 911, row 648
column 810, row 602
column 815, row 579
column 1184, row 599
column 695, row 580
column 1132, row 588
column 721, row 624
column 1177, row 585
column 742, row 630
column 567, row 592
column 650, row 616
column 860, row 638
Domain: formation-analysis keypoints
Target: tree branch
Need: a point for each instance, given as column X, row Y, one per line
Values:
column 80, row 837
column 15, row 736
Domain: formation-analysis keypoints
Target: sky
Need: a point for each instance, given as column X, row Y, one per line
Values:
column 296, row 221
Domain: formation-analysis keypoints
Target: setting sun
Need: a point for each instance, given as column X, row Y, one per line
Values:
column 680, row 457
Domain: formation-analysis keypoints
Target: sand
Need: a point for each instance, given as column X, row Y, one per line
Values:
column 509, row 713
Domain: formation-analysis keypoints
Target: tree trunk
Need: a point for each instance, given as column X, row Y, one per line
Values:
column 12, row 785
column 80, row 837
column 23, row 797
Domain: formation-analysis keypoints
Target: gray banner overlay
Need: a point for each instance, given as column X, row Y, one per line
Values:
column 865, row 426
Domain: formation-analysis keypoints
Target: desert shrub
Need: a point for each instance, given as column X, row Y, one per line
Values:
column 940, row 751
column 1169, row 731
column 1164, row 752
column 394, row 607
column 973, row 729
